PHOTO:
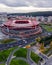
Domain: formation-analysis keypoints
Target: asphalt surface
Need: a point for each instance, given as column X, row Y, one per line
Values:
column 10, row 56
column 48, row 62
column 22, row 41
column 30, row 61
column 43, row 56
column 20, row 58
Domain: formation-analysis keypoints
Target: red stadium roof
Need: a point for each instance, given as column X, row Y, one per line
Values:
column 21, row 23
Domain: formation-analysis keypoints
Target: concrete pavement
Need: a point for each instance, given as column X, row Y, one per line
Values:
column 30, row 61
column 43, row 56
column 48, row 62
column 10, row 56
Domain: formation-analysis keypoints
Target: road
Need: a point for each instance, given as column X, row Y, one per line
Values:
column 21, row 42
column 30, row 61
column 18, row 43
column 43, row 56
column 48, row 62
column 50, row 52
column 10, row 56
column 20, row 58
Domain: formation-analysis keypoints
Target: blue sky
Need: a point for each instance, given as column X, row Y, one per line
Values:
column 22, row 4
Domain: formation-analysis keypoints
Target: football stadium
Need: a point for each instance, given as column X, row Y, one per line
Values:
column 21, row 28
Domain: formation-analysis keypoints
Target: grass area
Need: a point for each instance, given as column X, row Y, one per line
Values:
column 35, row 57
column 22, row 52
column 47, row 27
column 2, row 64
column 18, row 62
column 5, row 53
column 5, row 41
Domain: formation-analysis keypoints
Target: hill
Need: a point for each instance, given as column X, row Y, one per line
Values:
column 45, row 13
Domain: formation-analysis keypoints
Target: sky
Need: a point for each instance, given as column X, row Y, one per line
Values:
column 25, row 5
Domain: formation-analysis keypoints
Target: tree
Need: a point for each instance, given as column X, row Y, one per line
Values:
column 38, row 39
column 42, row 47
column 51, row 44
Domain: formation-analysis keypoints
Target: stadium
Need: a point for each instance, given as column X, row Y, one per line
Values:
column 21, row 28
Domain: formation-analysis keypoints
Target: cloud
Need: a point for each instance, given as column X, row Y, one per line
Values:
column 22, row 3
column 25, row 5
column 4, row 8
column 15, row 3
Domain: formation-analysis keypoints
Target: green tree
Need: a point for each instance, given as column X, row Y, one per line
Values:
column 51, row 44
column 42, row 48
column 38, row 39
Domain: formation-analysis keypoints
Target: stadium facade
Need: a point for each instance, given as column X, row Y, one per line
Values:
column 21, row 28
